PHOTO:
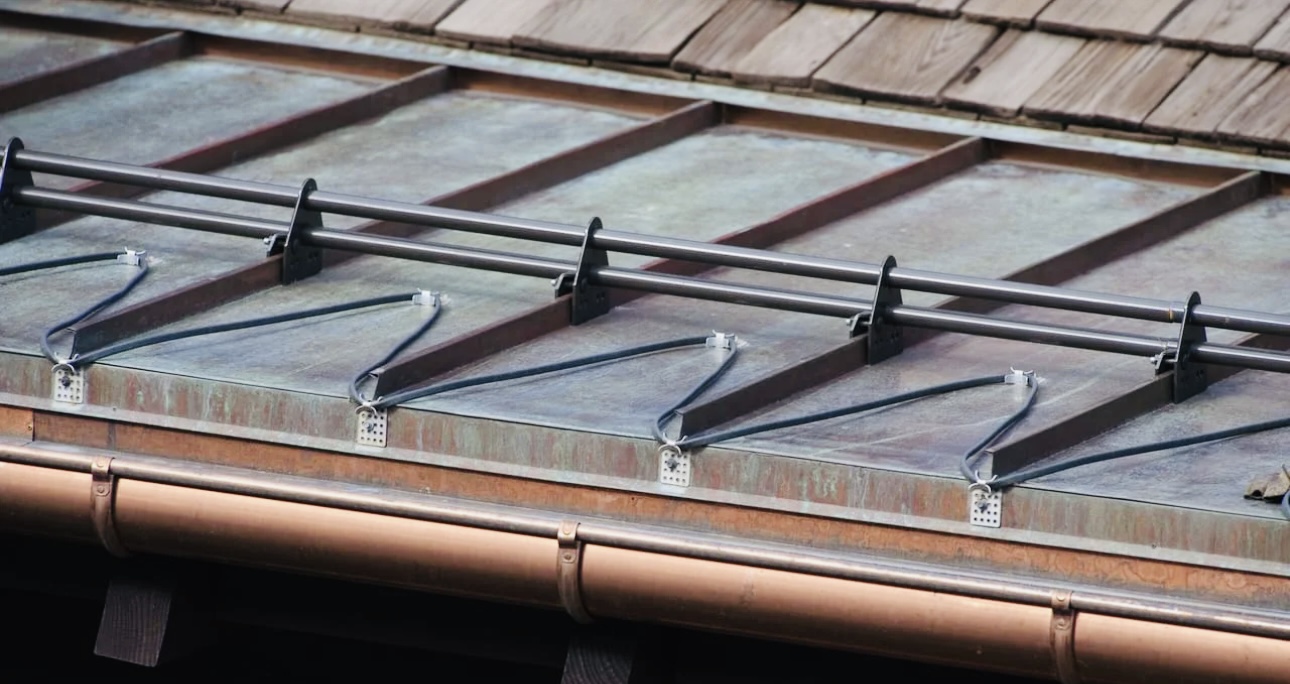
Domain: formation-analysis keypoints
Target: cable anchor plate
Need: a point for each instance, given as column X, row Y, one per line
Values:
column 68, row 384
column 674, row 465
column 373, row 426
column 299, row 261
column 883, row 338
column 589, row 300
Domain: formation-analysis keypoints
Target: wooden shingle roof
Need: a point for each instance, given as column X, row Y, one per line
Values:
column 1191, row 71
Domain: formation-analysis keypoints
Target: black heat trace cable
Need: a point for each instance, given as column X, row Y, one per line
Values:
column 128, row 345
column 58, row 263
column 1060, row 466
column 139, row 259
column 405, row 396
column 712, row 438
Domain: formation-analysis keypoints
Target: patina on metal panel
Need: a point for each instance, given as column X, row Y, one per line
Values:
column 1019, row 215
column 157, row 113
column 930, row 436
column 25, row 52
column 370, row 158
column 703, row 199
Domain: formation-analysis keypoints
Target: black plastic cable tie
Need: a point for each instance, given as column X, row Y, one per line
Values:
column 15, row 220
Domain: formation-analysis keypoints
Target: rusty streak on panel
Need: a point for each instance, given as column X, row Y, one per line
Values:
column 87, row 28
column 1102, row 417
column 271, row 136
column 1178, row 173
column 871, row 134
column 93, row 71
column 528, row 87
column 1154, row 229
column 203, row 295
column 796, row 221
column 308, row 58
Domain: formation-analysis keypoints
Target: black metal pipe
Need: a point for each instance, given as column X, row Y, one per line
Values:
column 209, row 221
column 658, row 283
column 1140, row 308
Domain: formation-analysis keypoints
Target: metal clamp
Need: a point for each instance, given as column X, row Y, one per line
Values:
column 15, row 220
column 722, row 340
column 589, row 300
column 884, row 339
column 425, row 298
column 1062, row 637
column 1020, row 377
column 1189, row 379
column 299, row 261
column 132, row 257
column 569, row 572
column 103, row 505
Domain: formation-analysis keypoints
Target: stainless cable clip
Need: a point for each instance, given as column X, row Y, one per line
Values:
column 132, row 257
column 1020, row 377
column 722, row 340
column 425, row 298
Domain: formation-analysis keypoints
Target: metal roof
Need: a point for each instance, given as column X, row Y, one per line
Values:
column 653, row 160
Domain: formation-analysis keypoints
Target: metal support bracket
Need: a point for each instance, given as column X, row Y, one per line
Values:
column 884, row 339
column 103, row 505
column 569, row 572
column 589, row 300
column 673, row 465
column 15, row 220
column 1062, row 637
column 68, row 384
column 299, row 261
column 1189, row 379
column 373, row 425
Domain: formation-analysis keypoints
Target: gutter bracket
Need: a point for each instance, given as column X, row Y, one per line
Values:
column 15, row 221
column 103, row 505
column 1189, row 379
column 589, row 300
column 569, row 572
column 884, row 339
column 1062, row 635
column 299, row 261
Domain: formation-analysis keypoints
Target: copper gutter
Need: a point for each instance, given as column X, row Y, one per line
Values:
column 599, row 569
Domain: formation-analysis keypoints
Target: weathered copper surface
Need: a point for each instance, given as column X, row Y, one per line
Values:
column 579, row 440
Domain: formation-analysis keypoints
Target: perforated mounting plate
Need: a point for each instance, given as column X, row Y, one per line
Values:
column 69, row 385
column 372, row 426
column 673, row 467
column 985, row 510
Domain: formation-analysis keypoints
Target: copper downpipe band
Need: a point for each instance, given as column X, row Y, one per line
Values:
column 606, row 580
